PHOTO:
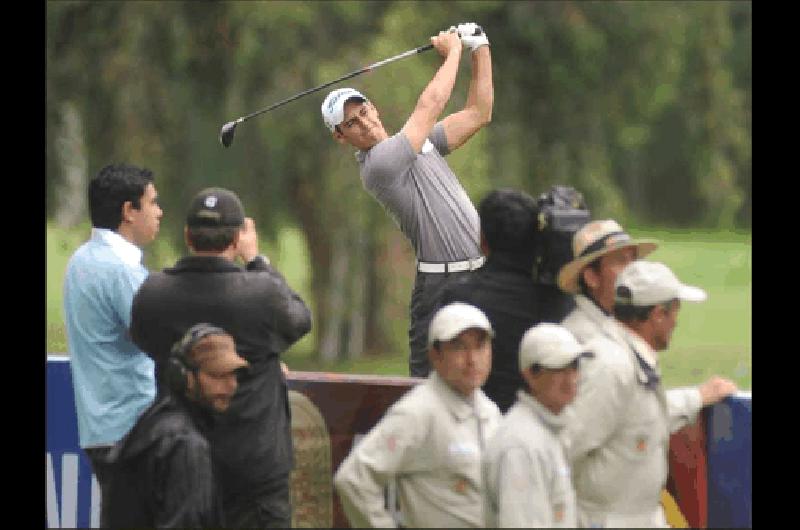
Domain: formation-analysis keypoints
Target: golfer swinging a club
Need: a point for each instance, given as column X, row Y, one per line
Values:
column 408, row 175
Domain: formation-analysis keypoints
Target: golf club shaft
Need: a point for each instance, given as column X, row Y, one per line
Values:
column 348, row 76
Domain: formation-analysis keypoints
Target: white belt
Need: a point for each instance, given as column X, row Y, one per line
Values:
column 454, row 266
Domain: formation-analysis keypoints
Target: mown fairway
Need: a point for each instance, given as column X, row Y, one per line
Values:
column 713, row 337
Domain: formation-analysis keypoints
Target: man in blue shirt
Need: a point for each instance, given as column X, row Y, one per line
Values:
column 113, row 380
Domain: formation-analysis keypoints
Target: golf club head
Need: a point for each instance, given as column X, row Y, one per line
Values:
column 226, row 133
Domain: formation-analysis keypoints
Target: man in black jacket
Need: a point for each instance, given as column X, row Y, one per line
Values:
column 252, row 443
column 161, row 473
column 504, row 288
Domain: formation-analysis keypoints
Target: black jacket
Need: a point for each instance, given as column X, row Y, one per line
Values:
column 251, row 442
column 161, row 473
column 504, row 290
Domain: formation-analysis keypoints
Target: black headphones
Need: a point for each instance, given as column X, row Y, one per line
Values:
column 178, row 364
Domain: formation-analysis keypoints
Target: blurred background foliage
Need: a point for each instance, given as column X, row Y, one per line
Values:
column 645, row 107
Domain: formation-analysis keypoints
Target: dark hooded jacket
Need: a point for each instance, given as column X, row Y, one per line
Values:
column 161, row 474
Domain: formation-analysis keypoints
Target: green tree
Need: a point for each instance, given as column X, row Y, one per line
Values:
column 643, row 106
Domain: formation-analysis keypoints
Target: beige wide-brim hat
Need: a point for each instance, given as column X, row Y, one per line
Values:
column 593, row 240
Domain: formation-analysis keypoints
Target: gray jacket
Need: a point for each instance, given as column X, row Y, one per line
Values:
column 430, row 442
column 528, row 477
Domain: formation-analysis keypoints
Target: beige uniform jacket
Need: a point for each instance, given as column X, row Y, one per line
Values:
column 528, row 479
column 431, row 442
column 587, row 320
column 617, row 433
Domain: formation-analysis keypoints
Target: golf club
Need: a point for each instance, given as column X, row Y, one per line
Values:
column 226, row 133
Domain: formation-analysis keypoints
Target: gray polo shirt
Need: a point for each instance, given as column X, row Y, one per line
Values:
column 423, row 196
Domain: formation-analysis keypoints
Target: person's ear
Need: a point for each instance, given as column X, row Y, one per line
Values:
column 191, row 382
column 186, row 238
column 434, row 355
column 127, row 212
column 591, row 277
column 656, row 314
column 530, row 376
column 339, row 137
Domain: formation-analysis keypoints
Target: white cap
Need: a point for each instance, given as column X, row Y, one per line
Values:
column 454, row 318
column 645, row 283
column 333, row 106
column 550, row 346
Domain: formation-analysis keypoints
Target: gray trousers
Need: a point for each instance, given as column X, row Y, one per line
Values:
column 425, row 301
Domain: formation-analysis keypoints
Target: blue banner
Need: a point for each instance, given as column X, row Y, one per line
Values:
column 73, row 495
column 729, row 435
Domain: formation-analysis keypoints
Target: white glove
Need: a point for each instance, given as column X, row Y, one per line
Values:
column 467, row 31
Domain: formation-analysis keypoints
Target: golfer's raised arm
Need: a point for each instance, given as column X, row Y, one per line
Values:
column 460, row 126
column 434, row 98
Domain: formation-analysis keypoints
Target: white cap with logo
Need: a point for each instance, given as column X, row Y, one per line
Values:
column 333, row 106
column 644, row 283
column 551, row 346
column 454, row 318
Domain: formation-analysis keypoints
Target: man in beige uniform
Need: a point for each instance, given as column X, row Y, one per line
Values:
column 432, row 440
column 528, row 479
column 618, row 428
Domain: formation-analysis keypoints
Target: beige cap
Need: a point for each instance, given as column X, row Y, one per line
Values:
column 216, row 354
column 645, row 283
column 593, row 240
column 454, row 318
column 550, row 346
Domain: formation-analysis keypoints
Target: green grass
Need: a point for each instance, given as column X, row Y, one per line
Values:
column 60, row 244
column 713, row 337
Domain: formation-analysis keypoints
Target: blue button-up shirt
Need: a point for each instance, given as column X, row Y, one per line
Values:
column 114, row 381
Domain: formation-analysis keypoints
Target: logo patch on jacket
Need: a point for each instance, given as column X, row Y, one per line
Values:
column 641, row 444
column 558, row 512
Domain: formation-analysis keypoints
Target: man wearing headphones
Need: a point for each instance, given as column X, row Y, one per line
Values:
column 161, row 472
column 252, row 443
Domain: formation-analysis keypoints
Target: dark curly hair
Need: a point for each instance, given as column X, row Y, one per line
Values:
column 111, row 188
column 509, row 221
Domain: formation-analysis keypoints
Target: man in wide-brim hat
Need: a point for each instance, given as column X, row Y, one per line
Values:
column 601, row 249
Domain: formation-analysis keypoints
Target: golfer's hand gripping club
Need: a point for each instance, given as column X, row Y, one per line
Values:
column 472, row 35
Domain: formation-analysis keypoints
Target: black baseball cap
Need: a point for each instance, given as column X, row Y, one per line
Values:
column 215, row 207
